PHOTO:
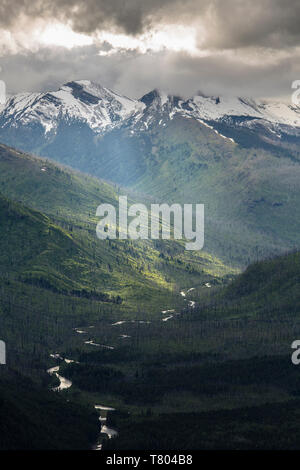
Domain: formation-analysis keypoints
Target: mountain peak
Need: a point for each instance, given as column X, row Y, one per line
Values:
column 84, row 90
column 155, row 95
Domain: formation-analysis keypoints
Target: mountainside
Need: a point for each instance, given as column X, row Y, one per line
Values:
column 57, row 247
column 237, row 156
column 267, row 290
column 33, row 418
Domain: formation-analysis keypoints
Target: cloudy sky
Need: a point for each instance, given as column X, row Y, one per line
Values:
column 239, row 47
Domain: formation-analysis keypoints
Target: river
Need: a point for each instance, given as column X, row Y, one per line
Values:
column 65, row 383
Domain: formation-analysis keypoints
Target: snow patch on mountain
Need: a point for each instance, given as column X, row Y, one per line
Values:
column 216, row 108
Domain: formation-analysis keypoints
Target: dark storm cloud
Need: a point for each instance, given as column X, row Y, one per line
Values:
column 88, row 16
column 228, row 23
column 249, row 47
column 135, row 74
column 244, row 23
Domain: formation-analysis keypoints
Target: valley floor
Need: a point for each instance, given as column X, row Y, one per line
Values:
column 182, row 380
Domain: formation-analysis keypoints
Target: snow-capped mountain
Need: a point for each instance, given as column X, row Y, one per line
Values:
column 102, row 109
column 94, row 129
column 85, row 101
column 216, row 108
